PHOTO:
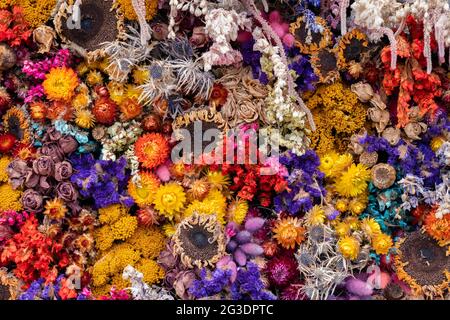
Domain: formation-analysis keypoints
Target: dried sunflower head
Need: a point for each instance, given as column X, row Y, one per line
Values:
column 423, row 265
column 199, row 241
column 350, row 48
column 324, row 63
column 97, row 24
column 310, row 40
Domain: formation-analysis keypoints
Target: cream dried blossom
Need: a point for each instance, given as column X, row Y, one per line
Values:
column 142, row 291
column 118, row 138
column 281, row 111
column 222, row 27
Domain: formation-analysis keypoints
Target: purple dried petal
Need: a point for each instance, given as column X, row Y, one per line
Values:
column 243, row 237
column 231, row 246
column 254, row 224
column 252, row 249
column 358, row 287
column 240, row 257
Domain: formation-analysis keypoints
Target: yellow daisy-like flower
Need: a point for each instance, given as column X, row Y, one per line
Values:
column 342, row 229
column 237, row 210
column 4, row 162
column 288, row 232
column 381, row 243
column 315, row 216
column 327, row 162
column 60, row 84
column 341, row 205
column 353, row 222
column 94, row 77
column 217, row 179
column 169, row 229
column 437, row 142
column 82, row 68
column 140, row 76
column 357, row 205
column 117, row 92
column 370, row 227
column 144, row 194
column 55, row 209
column 133, row 92
column 353, row 182
column 215, row 203
column 349, row 247
column 342, row 163
column 84, row 118
column 169, row 199
column 80, row 101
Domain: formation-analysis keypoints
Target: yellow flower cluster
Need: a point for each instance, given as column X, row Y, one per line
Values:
column 337, row 114
column 214, row 203
column 35, row 12
column 351, row 231
column 126, row 7
column 350, row 180
column 4, row 162
column 118, row 225
column 140, row 251
column 9, row 198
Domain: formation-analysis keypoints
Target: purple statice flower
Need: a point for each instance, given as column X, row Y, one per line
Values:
column 252, row 59
column 210, row 283
column 105, row 181
column 305, row 183
column 382, row 147
column 33, row 290
column 306, row 78
column 249, row 286
column 37, row 70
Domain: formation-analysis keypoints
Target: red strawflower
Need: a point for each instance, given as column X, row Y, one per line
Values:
column 281, row 271
column 7, row 141
column 105, row 111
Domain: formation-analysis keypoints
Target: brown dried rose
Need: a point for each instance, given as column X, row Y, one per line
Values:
column 63, row 171
column 68, row 144
column 183, row 282
column 44, row 166
column 53, row 150
column 32, row 201
column 52, row 134
column 17, row 172
column 66, row 191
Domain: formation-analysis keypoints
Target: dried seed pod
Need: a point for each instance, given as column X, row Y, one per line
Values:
column 383, row 175
column 392, row 135
column 368, row 159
